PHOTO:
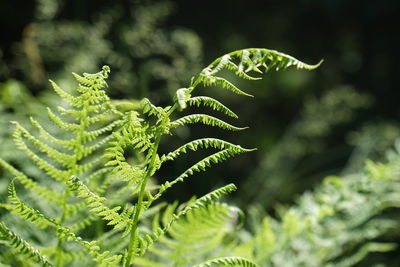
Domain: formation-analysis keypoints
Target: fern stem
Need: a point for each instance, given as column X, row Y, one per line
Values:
column 83, row 123
column 133, row 236
column 139, row 206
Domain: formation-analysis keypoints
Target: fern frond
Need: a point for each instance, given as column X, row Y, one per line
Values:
column 209, row 198
column 22, row 246
column 205, row 119
column 96, row 204
column 224, row 83
column 91, row 135
column 91, row 106
column 127, row 173
column 212, row 103
column 198, row 167
column 88, row 150
column 62, row 124
column 62, row 158
column 204, row 143
column 102, row 258
column 25, row 212
column 44, row 192
column 104, row 261
column 152, row 110
column 254, row 59
column 66, row 256
column 228, row 261
column 97, row 79
column 59, row 175
column 47, row 136
column 64, row 95
column 125, row 132
column 215, row 158
column 169, row 218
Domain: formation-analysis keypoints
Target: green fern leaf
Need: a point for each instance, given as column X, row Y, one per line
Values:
column 47, row 136
column 27, row 213
column 205, row 119
column 64, row 159
column 209, row 198
column 152, row 110
column 40, row 220
column 44, row 192
column 211, row 102
column 208, row 80
column 248, row 60
column 22, row 246
column 197, row 167
column 59, row 175
column 64, row 95
column 228, row 261
column 169, row 218
column 91, row 135
column 208, row 161
column 73, row 127
column 96, row 204
column 204, row 143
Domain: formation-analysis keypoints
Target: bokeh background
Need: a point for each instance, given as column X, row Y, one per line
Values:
column 306, row 125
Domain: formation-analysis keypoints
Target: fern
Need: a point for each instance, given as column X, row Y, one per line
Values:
column 163, row 125
column 98, row 138
column 193, row 211
column 25, row 212
column 96, row 205
column 214, row 223
column 210, row 102
column 205, row 119
column 21, row 245
column 61, row 158
column 338, row 224
column 228, row 261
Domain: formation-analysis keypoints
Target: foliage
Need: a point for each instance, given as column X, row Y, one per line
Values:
column 89, row 164
column 150, row 57
column 338, row 224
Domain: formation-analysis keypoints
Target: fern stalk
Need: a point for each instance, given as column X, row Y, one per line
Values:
column 139, row 206
column 134, row 233
column 73, row 170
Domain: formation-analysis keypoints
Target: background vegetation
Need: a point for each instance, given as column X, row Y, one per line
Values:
column 306, row 125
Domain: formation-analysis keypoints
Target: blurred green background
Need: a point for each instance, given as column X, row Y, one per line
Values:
column 306, row 125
